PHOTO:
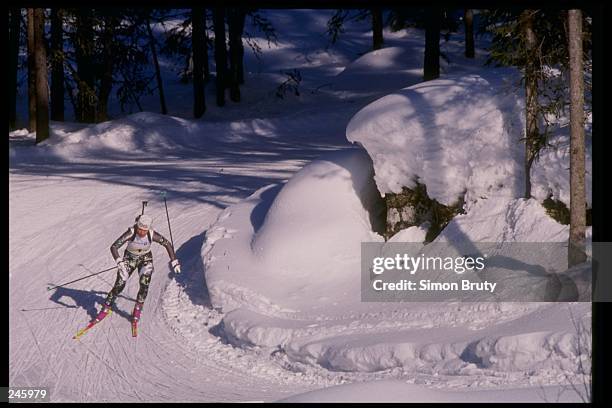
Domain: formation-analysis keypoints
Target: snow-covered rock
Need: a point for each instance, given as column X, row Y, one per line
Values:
column 296, row 246
column 550, row 172
column 310, row 308
column 462, row 134
column 504, row 220
column 455, row 135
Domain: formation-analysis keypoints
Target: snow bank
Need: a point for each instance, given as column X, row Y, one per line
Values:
column 411, row 234
column 309, row 307
column 454, row 135
column 461, row 134
column 382, row 70
column 294, row 246
column 400, row 391
column 284, row 264
column 139, row 132
column 550, row 172
column 504, row 220
column 537, row 337
column 306, row 228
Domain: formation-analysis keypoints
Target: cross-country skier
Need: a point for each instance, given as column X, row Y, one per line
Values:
column 137, row 255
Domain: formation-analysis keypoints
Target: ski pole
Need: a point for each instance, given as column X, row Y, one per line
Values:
column 76, row 280
column 144, row 204
column 168, row 217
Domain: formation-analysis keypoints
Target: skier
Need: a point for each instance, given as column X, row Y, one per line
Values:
column 137, row 255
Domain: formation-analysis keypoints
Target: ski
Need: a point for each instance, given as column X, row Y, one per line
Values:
column 134, row 328
column 91, row 324
column 135, row 318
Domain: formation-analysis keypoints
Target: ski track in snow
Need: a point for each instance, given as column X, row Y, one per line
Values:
column 178, row 355
column 67, row 206
column 61, row 227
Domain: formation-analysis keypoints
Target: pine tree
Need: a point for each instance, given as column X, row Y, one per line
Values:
column 56, row 56
column 106, row 76
column 377, row 28
column 31, row 71
column 198, row 44
column 576, row 247
column 42, row 95
column 85, row 72
column 14, row 32
column 532, row 70
column 431, row 65
column 468, row 20
column 206, row 44
column 220, row 53
column 534, row 41
column 335, row 25
column 236, row 17
column 109, row 51
column 160, row 84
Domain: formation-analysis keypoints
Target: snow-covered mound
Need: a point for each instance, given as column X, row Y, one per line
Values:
column 386, row 69
column 296, row 250
column 461, row 134
column 505, row 220
column 400, row 391
column 135, row 134
column 454, row 135
column 308, row 306
column 307, row 225
column 550, row 172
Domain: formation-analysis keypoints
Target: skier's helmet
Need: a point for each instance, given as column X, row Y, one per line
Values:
column 144, row 222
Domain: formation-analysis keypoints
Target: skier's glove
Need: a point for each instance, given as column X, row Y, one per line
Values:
column 124, row 270
column 176, row 266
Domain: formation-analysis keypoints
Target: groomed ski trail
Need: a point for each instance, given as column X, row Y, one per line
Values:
column 63, row 216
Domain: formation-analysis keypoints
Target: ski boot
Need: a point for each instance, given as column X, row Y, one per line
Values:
column 105, row 311
column 136, row 317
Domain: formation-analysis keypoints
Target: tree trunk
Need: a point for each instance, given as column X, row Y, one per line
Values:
column 160, row 84
column 431, row 66
column 236, row 18
column 84, row 49
column 576, row 247
column 220, row 54
column 31, row 73
column 240, row 47
column 531, row 97
column 106, row 82
column 377, row 28
column 71, row 95
column 197, row 43
column 206, row 65
column 468, row 20
column 57, row 65
column 42, row 94
column 14, row 29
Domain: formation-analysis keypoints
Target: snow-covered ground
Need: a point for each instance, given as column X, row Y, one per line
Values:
column 269, row 202
column 398, row 391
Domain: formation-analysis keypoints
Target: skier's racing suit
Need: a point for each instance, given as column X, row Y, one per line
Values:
column 137, row 255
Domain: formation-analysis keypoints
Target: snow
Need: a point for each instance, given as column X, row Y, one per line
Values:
column 460, row 135
column 301, row 243
column 398, row 391
column 269, row 204
column 381, row 70
column 505, row 220
column 411, row 234
column 550, row 174
column 455, row 135
column 338, row 332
